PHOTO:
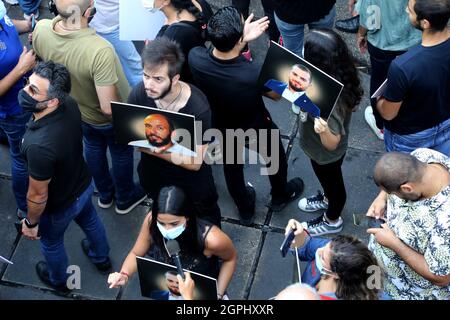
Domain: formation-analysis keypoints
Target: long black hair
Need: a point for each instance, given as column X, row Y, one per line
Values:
column 172, row 200
column 187, row 5
column 325, row 49
column 354, row 264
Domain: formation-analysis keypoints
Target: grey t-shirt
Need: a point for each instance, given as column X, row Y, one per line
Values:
column 310, row 140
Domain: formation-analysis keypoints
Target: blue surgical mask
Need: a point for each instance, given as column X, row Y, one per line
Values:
column 2, row 10
column 320, row 266
column 172, row 233
column 149, row 5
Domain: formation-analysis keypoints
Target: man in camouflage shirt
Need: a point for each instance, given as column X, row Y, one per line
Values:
column 414, row 244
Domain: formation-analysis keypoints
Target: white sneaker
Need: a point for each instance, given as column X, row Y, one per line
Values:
column 370, row 119
column 295, row 109
column 313, row 203
column 12, row 2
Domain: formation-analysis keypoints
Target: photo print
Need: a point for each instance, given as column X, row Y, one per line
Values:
column 309, row 89
column 158, row 130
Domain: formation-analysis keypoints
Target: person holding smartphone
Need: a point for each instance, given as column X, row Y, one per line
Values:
column 336, row 267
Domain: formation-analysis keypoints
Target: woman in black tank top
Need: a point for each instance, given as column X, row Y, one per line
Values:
column 202, row 244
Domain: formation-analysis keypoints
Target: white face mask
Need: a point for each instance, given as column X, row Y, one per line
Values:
column 149, row 5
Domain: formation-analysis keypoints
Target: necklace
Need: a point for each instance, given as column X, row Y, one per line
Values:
column 173, row 101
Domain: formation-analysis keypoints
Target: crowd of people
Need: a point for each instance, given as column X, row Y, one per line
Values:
column 55, row 112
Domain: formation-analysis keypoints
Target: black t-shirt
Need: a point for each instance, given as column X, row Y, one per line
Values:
column 421, row 79
column 188, row 34
column 232, row 90
column 53, row 149
column 302, row 11
column 155, row 172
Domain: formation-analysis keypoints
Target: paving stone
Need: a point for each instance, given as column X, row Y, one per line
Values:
column 27, row 293
column 274, row 272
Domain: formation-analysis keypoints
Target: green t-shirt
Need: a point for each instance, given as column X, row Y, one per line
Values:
column 310, row 140
column 91, row 61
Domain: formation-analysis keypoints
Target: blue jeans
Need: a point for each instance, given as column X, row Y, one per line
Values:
column 97, row 138
column 293, row 34
column 14, row 128
column 29, row 6
column 53, row 225
column 129, row 57
column 436, row 138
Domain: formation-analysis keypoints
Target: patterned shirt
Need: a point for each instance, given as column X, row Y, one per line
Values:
column 425, row 227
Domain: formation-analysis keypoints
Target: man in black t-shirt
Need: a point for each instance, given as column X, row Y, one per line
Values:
column 60, row 186
column 231, row 84
column 161, row 88
column 415, row 103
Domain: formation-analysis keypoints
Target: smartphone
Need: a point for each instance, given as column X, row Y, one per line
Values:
column 361, row 220
column 287, row 242
column 33, row 22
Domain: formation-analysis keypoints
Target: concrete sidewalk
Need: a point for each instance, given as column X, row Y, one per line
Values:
column 261, row 271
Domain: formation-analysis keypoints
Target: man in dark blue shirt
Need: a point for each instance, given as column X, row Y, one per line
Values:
column 15, row 62
column 415, row 104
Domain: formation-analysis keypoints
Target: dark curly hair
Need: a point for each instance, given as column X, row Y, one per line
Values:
column 352, row 261
column 326, row 50
column 58, row 77
column 187, row 5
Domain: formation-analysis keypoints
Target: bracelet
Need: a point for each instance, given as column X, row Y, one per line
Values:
column 125, row 274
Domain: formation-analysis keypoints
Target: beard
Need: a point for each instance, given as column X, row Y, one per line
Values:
column 416, row 25
column 157, row 144
column 165, row 91
column 294, row 87
column 174, row 292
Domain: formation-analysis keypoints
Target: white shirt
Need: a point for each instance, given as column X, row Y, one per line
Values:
column 176, row 148
column 292, row 96
column 106, row 19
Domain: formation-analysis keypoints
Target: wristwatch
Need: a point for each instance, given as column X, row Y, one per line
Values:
column 29, row 224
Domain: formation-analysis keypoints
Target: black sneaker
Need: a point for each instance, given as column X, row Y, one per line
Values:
column 349, row 25
column 131, row 204
column 102, row 267
column 246, row 218
column 296, row 187
column 42, row 272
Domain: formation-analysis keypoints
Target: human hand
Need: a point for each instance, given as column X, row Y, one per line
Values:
column 361, row 42
column 117, row 279
column 31, row 234
column 27, row 60
column 320, row 126
column 378, row 208
column 253, row 30
column 186, row 286
column 384, row 236
column 294, row 224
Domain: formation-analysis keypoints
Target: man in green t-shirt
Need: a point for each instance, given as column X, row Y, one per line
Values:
column 97, row 79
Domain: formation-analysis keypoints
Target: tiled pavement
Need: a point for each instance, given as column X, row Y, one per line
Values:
column 261, row 271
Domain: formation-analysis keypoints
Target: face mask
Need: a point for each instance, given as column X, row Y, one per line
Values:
column 2, row 10
column 172, row 233
column 149, row 5
column 30, row 104
column 92, row 13
column 320, row 266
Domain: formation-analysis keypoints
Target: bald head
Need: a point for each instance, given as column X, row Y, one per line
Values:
column 395, row 169
column 72, row 8
column 298, row 291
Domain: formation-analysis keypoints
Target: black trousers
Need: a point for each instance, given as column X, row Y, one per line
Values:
column 380, row 60
column 332, row 182
column 243, row 7
column 234, row 173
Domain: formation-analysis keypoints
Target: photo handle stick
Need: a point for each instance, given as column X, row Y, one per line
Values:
column 176, row 259
column 298, row 266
